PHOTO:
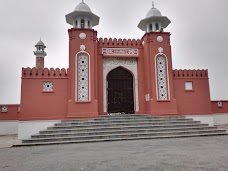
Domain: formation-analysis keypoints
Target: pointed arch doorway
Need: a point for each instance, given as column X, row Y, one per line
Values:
column 120, row 91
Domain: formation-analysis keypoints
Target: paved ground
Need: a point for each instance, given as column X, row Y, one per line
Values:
column 182, row 154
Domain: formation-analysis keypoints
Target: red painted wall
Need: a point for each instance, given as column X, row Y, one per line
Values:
column 151, row 46
column 196, row 101
column 90, row 108
column 12, row 112
column 217, row 109
column 39, row 105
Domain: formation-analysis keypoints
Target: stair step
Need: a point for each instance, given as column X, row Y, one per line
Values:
column 128, row 116
column 105, row 132
column 121, row 127
column 180, row 126
column 120, row 135
column 118, row 139
column 122, row 124
column 122, row 121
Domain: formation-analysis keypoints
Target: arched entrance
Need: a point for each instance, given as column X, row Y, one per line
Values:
column 120, row 91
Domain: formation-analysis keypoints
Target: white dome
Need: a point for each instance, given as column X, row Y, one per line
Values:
column 82, row 7
column 153, row 12
column 40, row 43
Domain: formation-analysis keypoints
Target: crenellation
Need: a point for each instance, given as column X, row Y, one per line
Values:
column 190, row 73
column 43, row 72
column 120, row 42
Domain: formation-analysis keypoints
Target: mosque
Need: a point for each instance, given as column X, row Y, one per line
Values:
column 106, row 76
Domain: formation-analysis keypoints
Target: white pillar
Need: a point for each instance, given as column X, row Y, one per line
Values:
column 79, row 23
column 153, row 26
column 74, row 24
column 86, row 23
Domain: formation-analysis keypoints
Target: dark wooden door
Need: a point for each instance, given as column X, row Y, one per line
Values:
column 120, row 91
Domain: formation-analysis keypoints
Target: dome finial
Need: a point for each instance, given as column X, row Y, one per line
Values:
column 152, row 4
column 82, row 1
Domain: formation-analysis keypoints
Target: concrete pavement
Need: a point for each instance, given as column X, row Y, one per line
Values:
column 198, row 154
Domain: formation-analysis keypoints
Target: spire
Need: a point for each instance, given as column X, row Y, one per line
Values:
column 152, row 4
column 82, row 1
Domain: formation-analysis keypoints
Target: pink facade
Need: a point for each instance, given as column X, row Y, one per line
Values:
column 9, row 112
column 110, row 76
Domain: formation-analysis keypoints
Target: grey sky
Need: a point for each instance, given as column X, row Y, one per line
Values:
column 199, row 35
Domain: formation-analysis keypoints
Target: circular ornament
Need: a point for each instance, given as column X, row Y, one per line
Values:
column 160, row 39
column 82, row 36
column 160, row 50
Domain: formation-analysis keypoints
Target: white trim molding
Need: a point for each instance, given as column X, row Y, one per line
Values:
column 128, row 63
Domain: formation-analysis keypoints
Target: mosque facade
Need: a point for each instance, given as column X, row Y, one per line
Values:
column 107, row 76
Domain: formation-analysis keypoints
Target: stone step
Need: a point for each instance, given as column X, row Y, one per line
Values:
column 109, row 132
column 102, row 128
column 127, row 116
column 122, row 121
column 73, row 138
column 118, row 139
column 72, row 125
column 118, row 125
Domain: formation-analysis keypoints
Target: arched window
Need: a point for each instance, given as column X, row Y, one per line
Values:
column 157, row 26
column 88, row 24
column 83, row 78
column 82, row 23
column 162, row 78
column 150, row 27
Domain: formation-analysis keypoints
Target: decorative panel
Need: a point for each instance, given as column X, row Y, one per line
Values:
column 219, row 104
column 120, row 52
column 47, row 86
column 161, row 74
column 4, row 109
column 83, row 78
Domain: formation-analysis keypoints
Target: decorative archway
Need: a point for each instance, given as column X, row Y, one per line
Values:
column 120, row 91
column 130, row 64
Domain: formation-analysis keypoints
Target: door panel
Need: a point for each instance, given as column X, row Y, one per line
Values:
column 120, row 91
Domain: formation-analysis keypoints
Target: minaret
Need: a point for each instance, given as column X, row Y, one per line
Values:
column 40, row 54
column 82, row 17
column 154, row 21
column 158, row 63
column 82, row 94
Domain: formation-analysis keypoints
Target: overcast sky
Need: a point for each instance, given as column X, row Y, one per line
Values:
column 199, row 35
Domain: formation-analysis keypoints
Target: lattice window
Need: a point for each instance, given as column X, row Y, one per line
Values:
column 4, row 109
column 83, row 78
column 47, row 86
column 161, row 74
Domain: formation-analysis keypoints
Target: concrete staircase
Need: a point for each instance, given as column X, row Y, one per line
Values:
column 121, row 127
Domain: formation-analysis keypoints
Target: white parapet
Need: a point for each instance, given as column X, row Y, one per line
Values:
column 221, row 119
column 8, row 127
column 211, row 119
column 28, row 128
